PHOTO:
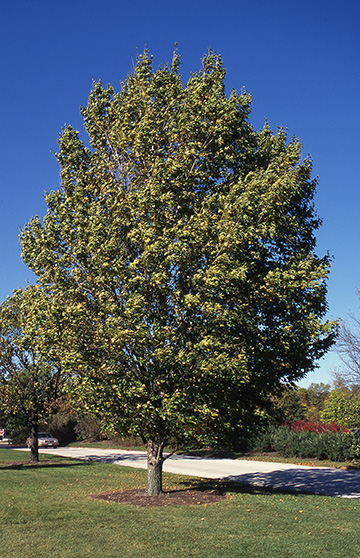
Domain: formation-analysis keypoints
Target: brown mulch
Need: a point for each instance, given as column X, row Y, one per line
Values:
column 172, row 498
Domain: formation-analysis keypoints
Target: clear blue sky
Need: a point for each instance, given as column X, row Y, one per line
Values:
column 299, row 59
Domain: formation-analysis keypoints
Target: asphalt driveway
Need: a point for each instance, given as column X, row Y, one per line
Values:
column 315, row 480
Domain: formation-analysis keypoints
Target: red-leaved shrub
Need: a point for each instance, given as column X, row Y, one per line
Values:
column 310, row 426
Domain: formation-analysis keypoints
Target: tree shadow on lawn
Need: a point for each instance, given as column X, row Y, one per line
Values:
column 53, row 464
column 223, row 487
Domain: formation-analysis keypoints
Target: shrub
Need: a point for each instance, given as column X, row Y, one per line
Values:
column 310, row 440
column 311, row 426
column 355, row 448
column 88, row 427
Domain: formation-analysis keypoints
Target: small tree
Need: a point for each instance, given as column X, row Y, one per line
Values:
column 182, row 245
column 343, row 407
column 30, row 371
column 313, row 399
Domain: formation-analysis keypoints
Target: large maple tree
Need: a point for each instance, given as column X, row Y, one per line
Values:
column 182, row 244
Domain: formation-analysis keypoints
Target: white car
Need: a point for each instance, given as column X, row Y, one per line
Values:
column 45, row 440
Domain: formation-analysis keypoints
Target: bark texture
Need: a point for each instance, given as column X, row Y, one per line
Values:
column 155, row 462
column 34, row 442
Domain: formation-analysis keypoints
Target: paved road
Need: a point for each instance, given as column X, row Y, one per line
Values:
column 316, row 480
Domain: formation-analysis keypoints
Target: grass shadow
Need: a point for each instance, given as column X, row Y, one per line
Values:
column 223, row 487
column 24, row 465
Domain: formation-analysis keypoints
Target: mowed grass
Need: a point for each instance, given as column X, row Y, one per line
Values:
column 47, row 512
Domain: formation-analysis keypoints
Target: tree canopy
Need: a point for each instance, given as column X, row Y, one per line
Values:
column 343, row 407
column 181, row 243
column 30, row 370
column 313, row 399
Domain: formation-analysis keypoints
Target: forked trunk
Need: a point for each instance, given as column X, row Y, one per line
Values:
column 155, row 462
column 34, row 442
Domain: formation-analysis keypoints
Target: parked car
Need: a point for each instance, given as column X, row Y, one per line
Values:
column 45, row 440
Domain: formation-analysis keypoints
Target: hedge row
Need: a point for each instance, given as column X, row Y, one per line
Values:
column 332, row 445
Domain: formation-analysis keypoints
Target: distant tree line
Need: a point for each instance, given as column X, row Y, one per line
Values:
column 321, row 403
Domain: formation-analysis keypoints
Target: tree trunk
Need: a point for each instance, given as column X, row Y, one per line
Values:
column 34, row 442
column 155, row 462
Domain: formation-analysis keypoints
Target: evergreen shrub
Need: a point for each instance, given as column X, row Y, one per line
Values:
column 310, row 440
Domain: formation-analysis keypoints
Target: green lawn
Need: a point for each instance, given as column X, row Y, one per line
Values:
column 46, row 512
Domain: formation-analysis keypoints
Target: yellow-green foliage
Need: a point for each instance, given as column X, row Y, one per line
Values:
column 31, row 377
column 343, row 407
column 181, row 247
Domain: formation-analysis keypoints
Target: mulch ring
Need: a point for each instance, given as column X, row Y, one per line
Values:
column 172, row 498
